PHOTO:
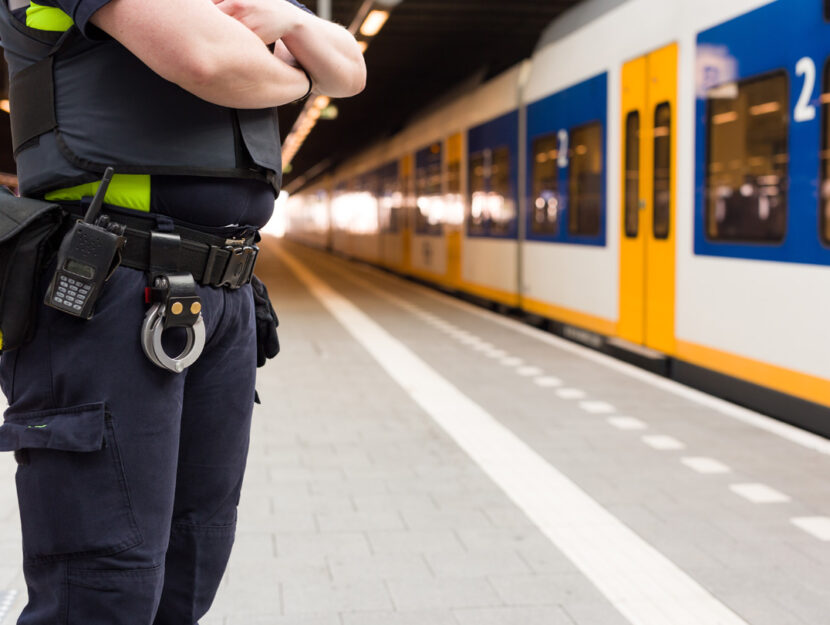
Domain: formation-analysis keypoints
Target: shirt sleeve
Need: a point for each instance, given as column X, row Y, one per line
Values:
column 81, row 11
column 302, row 6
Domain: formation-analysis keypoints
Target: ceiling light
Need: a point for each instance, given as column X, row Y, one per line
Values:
column 374, row 22
column 4, row 105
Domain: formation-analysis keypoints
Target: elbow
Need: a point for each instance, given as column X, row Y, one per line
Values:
column 200, row 72
column 354, row 81
column 358, row 82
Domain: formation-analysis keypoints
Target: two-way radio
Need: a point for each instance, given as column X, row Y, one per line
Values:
column 86, row 259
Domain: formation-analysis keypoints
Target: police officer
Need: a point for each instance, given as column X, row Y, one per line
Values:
column 129, row 473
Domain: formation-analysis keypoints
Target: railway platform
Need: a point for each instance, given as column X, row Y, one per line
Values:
column 417, row 460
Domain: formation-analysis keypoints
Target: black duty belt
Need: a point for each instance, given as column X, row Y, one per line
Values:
column 157, row 243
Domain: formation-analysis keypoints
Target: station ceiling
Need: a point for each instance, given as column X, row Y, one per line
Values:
column 427, row 48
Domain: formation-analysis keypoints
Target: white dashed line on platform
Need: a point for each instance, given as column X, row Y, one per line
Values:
column 529, row 371
column 818, row 526
column 759, row 493
column 627, row 423
column 571, row 393
column 6, row 603
column 597, row 407
column 663, row 443
column 796, row 435
column 548, row 381
column 497, row 353
column 512, row 361
column 707, row 466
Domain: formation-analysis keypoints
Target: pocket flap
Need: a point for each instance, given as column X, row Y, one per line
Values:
column 17, row 213
column 78, row 428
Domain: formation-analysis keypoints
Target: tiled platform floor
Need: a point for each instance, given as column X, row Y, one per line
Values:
column 358, row 509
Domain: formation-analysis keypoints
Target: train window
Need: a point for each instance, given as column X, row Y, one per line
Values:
column 746, row 177
column 390, row 200
column 662, row 170
column 545, row 186
column 824, row 209
column 502, row 209
column 428, row 189
column 632, row 174
column 478, row 191
column 492, row 210
column 827, row 10
column 585, row 185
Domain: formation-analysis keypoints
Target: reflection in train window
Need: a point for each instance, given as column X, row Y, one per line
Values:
column 585, row 185
column 546, row 199
column 478, row 189
column 824, row 209
column 747, row 161
column 501, row 208
column 662, row 170
column 390, row 199
column 492, row 209
column 428, row 189
column 632, row 174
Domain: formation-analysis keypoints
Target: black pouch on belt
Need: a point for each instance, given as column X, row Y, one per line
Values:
column 29, row 236
column 267, row 341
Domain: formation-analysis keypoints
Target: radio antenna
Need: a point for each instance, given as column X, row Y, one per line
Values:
column 98, row 200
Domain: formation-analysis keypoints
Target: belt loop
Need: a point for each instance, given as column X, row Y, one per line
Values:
column 164, row 223
column 213, row 260
column 164, row 252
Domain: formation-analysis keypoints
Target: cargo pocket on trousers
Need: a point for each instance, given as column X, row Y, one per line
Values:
column 71, row 487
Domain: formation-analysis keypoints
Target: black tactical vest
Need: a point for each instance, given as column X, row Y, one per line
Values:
column 79, row 106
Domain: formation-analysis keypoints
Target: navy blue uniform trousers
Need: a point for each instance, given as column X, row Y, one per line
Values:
column 129, row 475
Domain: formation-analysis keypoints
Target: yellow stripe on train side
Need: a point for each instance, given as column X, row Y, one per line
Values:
column 596, row 324
column 494, row 295
column 802, row 385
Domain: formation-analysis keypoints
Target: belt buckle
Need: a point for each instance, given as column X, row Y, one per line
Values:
column 240, row 265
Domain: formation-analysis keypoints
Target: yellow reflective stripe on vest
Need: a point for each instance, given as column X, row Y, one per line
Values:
column 47, row 18
column 126, row 190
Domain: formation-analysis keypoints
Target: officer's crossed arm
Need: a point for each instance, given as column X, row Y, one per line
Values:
column 205, row 51
column 327, row 51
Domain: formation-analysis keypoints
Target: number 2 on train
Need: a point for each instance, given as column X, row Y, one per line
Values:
column 804, row 111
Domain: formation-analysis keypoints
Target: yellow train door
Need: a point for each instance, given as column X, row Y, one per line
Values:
column 647, row 233
column 407, row 215
column 453, row 196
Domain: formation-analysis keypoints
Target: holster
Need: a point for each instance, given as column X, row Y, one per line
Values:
column 29, row 237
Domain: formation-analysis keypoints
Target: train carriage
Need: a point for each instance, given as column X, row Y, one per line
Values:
column 655, row 181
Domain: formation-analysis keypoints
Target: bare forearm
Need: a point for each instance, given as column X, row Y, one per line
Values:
column 330, row 54
column 217, row 58
column 255, row 80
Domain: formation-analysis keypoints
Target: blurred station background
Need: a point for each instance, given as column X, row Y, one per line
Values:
column 554, row 294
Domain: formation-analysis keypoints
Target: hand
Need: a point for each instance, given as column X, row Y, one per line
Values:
column 283, row 54
column 269, row 19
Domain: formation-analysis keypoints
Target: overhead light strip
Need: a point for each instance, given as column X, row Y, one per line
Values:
column 367, row 23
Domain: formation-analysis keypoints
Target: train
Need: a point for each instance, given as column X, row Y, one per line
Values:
column 653, row 182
